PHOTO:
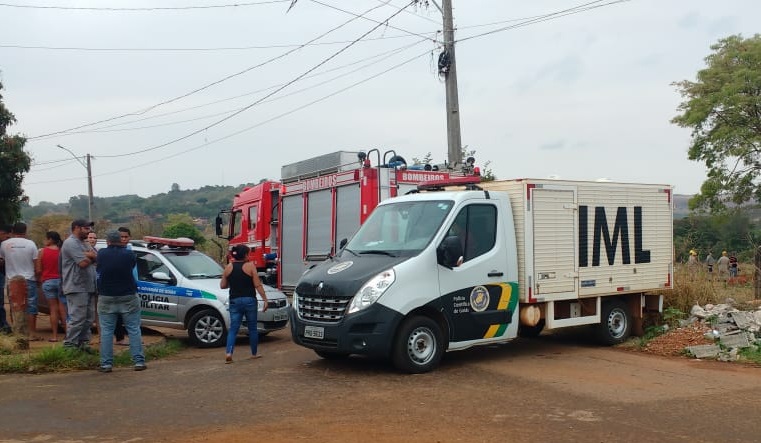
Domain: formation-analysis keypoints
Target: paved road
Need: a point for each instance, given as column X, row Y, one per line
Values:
column 546, row 389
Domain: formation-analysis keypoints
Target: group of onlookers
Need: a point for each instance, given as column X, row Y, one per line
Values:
column 727, row 265
column 74, row 278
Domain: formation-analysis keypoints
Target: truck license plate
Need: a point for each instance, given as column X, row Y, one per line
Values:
column 317, row 332
column 280, row 316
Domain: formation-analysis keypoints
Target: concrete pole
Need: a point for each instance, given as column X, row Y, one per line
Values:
column 89, row 189
column 454, row 140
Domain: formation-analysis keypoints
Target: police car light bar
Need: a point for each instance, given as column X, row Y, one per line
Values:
column 180, row 242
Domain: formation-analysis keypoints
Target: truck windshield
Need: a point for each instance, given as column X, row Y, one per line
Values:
column 193, row 264
column 400, row 229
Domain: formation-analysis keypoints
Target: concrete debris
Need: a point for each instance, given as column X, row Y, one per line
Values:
column 704, row 351
column 731, row 328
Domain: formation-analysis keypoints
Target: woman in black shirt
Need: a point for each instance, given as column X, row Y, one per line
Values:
column 241, row 277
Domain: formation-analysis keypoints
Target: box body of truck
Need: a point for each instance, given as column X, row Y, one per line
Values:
column 579, row 241
column 440, row 271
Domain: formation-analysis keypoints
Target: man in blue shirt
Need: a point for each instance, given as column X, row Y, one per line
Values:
column 117, row 297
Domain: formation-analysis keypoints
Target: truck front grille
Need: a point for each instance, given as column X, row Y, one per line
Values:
column 326, row 309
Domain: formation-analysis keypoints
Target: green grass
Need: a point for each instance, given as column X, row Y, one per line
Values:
column 752, row 354
column 58, row 359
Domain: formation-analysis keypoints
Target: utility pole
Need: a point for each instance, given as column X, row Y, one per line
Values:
column 449, row 70
column 87, row 166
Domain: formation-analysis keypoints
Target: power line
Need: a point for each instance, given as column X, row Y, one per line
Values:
column 216, row 49
column 249, row 128
column 375, row 59
column 144, row 9
column 299, row 77
column 150, row 108
column 551, row 16
column 369, row 19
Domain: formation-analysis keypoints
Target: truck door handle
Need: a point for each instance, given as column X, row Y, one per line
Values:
column 495, row 274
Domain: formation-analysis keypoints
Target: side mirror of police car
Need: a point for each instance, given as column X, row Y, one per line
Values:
column 160, row 275
column 449, row 253
column 343, row 243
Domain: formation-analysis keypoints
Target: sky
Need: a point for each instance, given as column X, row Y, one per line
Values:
column 183, row 92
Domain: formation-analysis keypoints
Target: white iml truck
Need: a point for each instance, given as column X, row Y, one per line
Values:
column 431, row 272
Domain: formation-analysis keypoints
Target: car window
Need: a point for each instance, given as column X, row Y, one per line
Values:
column 193, row 264
column 147, row 264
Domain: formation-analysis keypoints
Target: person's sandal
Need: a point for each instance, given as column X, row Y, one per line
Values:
column 228, row 359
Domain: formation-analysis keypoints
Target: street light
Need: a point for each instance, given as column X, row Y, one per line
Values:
column 89, row 180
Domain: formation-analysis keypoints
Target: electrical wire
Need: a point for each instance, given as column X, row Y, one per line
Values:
column 143, row 9
column 369, row 19
column 376, row 59
column 412, row 13
column 250, row 68
column 216, row 49
column 379, row 56
column 249, row 128
column 299, row 77
column 551, row 16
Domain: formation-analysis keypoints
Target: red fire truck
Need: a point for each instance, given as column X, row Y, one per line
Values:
column 300, row 221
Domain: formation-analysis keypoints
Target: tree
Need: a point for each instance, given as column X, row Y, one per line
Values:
column 14, row 163
column 184, row 230
column 181, row 225
column 723, row 108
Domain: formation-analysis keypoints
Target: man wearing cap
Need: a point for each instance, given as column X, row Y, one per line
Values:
column 78, row 285
column 117, row 297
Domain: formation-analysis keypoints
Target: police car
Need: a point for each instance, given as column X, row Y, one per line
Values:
column 179, row 288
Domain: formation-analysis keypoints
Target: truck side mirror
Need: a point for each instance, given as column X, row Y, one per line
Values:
column 449, row 252
column 343, row 243
column 218, row 225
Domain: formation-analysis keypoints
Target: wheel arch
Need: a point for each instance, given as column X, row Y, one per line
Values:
column 432, row 313
column 198, row 308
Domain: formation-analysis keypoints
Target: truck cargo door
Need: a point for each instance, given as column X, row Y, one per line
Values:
column 554, row 251
column 292, row 240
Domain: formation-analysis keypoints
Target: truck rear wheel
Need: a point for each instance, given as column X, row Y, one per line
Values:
column 206, row 329
column 419, row 345
column 615, row 323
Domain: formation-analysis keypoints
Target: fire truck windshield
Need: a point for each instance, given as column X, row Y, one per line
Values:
column 400, row 229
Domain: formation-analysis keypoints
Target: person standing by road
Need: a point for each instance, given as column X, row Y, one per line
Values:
column 5, row 327
column 50, row 280
column 92, row 238
column 78, row 285
column 241, row 277
column 710, row 262
column 723, row 265
column 20, row 258
column 120, row 332
column 117, row 292
column 733, row 265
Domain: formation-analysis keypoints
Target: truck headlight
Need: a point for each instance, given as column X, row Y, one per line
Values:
column 294, row 302
column 371, row 291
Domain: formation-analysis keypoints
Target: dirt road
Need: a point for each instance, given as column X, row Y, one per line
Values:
column 546, row 389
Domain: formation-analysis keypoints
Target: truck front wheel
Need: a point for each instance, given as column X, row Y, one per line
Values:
column 615, row 323
column 419, row 345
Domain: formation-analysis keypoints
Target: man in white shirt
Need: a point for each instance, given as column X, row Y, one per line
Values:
column 20, row 257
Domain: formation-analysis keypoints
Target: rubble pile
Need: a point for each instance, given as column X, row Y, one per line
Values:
column 726, row 329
